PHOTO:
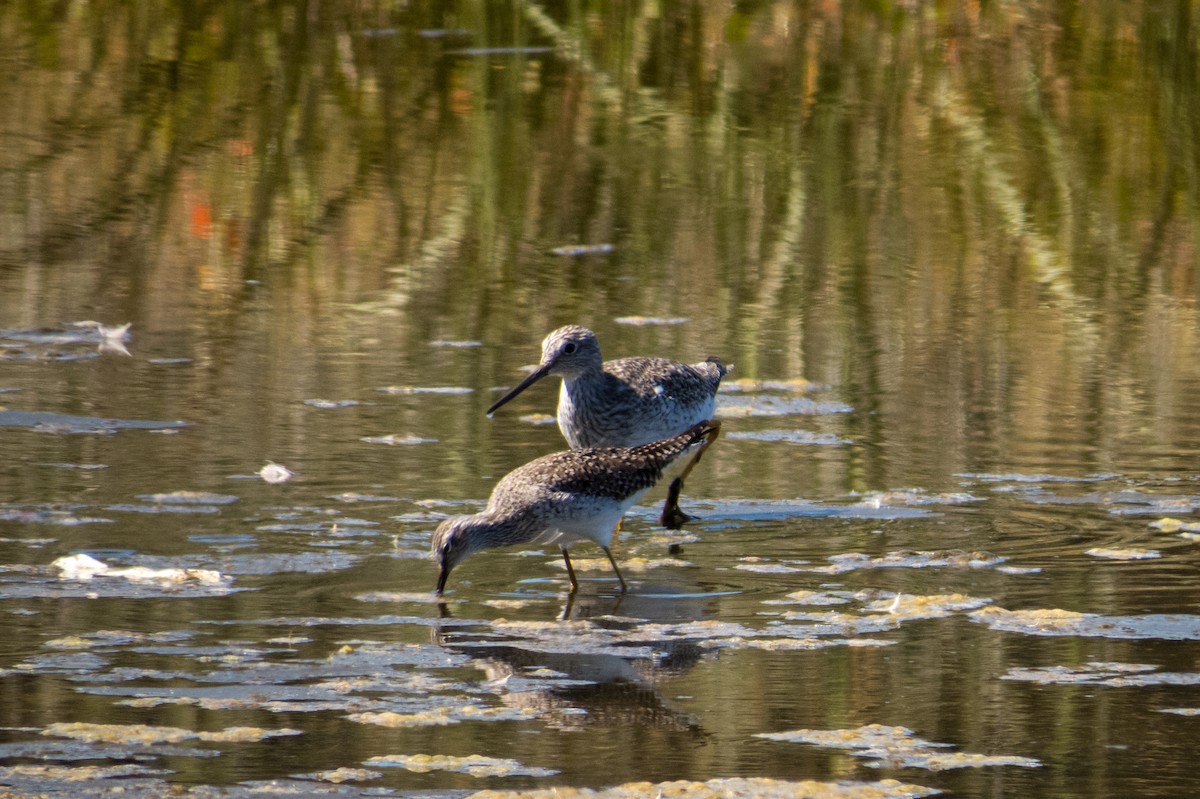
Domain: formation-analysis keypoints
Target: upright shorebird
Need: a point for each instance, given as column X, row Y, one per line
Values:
column 571, row 496
column 626, row 402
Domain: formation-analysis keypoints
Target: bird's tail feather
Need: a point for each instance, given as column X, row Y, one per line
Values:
column 697, row 437
column 722, row 367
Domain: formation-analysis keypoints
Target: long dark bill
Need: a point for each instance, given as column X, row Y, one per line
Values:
column 442, row 577
column 534, row 376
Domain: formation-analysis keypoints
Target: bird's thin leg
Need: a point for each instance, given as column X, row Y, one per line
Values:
column 613, row 561
column 567, row 608
column 570, row 570
column 672, row 517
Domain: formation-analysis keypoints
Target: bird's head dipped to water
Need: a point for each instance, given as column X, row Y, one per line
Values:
column 453, row 540
column 567, row 352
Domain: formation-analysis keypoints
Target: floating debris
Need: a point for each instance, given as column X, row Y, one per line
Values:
column 1170, row 525
column 84, row 567
column 833, row 623
column 424, row 598
column 1181, row 711
column 77, row 780
column 1123, row 553
column 507, row 604
column 741, row 787
column 48, row 514
column 441, row 342
column 646, row 639
column 317, row 562
column 1021, row 477
column 748, row 384
column 244, row 734
column 46, row 421
column 896, row 747
column 806, row 597
column 47, row 343
column 343, row 774
column 906, row 607
column 1006, row 569
column 354, row 496
column 441, row 716
column 189, row 498
column 745, row 405
column 646, row 321
column 1189, row 531
column 442, row 33
column 789, row 437
column 538, row 418
column 147, row 735
column 325, row 404
column 670, row 538
column 474, row 765
column 767, row 568
column 634, row 564
column 32, row 543
column 475, row 52
column 951, row 558
column 915, row 497
column 115, row 638
column 405, row 390
column 113, row 337
column 1136, row 503
column 129, row 507
column 575, row 250
column 393, row 440
column 789, row 644
column 108, row 338
column 726, row 510
column 1168, row 627
column 275, row 473
column 1091, row 673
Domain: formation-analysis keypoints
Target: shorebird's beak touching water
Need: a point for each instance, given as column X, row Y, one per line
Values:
column 450, row 546
column 440, row 551
column 534, row 376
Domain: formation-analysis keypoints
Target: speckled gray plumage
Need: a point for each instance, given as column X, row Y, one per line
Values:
column 624, row 402
column 568, row 496
column 614, row 473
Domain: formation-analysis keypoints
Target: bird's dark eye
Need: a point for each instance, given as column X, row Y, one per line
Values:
column 570, row 347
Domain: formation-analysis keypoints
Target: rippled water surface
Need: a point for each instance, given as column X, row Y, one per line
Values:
column 264, row 268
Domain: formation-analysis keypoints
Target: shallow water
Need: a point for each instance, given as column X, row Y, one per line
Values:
column 946, row 542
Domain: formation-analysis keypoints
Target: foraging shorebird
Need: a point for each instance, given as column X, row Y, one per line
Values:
column 626, row 402
column 568, row 497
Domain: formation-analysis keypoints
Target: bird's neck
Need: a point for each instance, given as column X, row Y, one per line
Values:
column 493, row 529
column 581, row 406
column 587, row 381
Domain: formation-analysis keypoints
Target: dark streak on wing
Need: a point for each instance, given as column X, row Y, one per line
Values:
column 605, row 471
column 679, row 380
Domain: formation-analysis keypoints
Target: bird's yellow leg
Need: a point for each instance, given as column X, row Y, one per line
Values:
column 617, row 571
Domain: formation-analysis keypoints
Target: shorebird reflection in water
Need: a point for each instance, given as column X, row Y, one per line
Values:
column 567, row 497
column 626, row 402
